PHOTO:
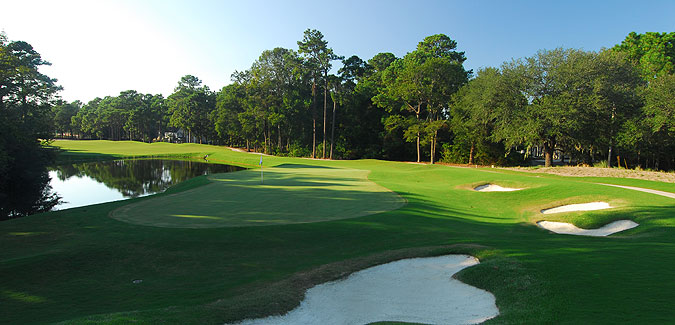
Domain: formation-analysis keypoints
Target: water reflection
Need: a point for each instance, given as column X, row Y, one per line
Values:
column 97, row 182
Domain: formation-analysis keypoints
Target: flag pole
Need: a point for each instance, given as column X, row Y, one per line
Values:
column 261, row 170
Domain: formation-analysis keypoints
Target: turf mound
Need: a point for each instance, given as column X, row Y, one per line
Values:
column 570, row 229
column 419, row 290
column 289, row 194
column 578, row 207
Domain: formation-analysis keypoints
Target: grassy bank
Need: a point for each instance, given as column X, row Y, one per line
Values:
column 77, row 265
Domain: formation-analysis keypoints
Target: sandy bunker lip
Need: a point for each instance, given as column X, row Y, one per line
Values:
column 570, row 229
column 419, row 290
column 578, row 207
column 495, row 188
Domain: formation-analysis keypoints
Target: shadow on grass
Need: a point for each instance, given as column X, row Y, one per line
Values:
column 284, row 180
column 74, row 156
column 295, row 166
column 536, row 276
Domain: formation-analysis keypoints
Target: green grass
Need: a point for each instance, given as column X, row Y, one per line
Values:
column 77, row 265
column 289, row 194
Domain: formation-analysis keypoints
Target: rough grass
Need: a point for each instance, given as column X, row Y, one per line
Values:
column 78, row 265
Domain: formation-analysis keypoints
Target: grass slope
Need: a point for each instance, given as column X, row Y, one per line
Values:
column 77, row 265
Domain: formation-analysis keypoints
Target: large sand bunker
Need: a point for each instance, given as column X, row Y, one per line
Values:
column 570, row 229
column 578, row 207
column 495, row 188
column 418, row 290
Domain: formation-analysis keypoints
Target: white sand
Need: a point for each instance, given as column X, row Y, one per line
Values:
column 495, row 188
column 419, row 290
column 578, row 207
column 570, row 229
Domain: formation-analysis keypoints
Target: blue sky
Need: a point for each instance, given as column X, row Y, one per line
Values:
column 100, row 48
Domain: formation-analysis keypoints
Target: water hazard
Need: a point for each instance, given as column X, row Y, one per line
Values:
column 104, row 181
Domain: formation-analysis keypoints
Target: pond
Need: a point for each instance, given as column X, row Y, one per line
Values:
column 104, row 181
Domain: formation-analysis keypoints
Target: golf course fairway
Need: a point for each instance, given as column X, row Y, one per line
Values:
column 222, row 248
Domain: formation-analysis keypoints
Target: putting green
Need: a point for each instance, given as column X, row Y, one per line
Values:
column 290, row 194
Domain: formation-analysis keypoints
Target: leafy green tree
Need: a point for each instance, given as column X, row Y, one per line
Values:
column 89, row 119
column 659, row 120
column 660, row 104
column 63, row 115
column 229, row 103
column 26, row 99
column 363, row 134
column 653, row 53
column 557, row 87
column 158, row 114
column 273, row 78
column 190, row 106
column 319, row 57
column 476, row 108
column 424, row 80
column 615, row 100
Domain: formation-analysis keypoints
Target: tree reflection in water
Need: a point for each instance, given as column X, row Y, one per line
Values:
column 134, row 178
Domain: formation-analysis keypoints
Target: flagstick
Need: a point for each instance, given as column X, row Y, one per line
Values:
column 261, row 171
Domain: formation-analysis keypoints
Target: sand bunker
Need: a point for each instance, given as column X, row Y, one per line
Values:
column 570, row 229
column 495, row 188
column 418, row 290
column 578, row 207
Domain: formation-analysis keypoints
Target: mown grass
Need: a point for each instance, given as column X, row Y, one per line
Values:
column 289, row 194
column 78, row 265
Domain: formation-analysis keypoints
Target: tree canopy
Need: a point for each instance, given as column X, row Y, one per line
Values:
column 26, row 99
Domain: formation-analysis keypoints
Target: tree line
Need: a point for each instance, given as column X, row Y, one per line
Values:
column 584, row 105
column 614, row 106
column 289, row 103
column 587, row 106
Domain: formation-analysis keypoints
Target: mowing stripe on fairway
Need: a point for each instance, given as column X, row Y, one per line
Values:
column 290, row 194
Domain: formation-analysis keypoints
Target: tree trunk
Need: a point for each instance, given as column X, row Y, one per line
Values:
column 417, row 114
column 268, row 148
column 279, row 143
column 314, row 118
column 611, row 139
column 548, row 153
column 431, row 150
column 325, row 104
column 471, row 153
column 332, row 131
column 265, row 136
